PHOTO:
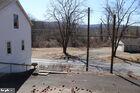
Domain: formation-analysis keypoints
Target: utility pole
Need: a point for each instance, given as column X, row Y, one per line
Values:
column 101, row 32
column 88, row 28
column 113, row 43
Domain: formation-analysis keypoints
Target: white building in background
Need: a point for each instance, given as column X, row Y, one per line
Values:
column 131, row 45
column 15, row 36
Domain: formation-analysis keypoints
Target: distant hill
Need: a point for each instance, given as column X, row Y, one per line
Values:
column 92, row 26
column 46, row 25
column 133, row 30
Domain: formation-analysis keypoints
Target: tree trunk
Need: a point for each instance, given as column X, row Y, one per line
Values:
column 65, row 50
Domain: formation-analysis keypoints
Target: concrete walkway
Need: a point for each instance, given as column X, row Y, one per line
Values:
column 96, row 83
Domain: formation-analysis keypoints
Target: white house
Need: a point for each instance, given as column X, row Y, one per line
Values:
column 15, row 36
column 129, row 45
column 120, row 46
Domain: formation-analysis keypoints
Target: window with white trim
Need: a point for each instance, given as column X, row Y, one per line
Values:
column 16, row 21
column 22, row 45
column 9, row 49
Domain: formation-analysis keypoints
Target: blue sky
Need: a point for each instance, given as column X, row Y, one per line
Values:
column 37, row 8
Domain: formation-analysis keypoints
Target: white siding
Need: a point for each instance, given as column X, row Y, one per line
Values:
column 120, row 46
column 15, row 36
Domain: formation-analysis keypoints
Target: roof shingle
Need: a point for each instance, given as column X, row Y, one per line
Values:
column 131, row 41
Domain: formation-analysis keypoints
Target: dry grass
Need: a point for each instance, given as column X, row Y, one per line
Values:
column 95, row 53
column 129, row 56
column 49, row 53
column 55, row 53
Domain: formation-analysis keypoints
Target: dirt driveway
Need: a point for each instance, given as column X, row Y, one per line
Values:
column 95, row 53
column 99, row 59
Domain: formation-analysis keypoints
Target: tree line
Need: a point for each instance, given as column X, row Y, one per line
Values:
column 66, row 29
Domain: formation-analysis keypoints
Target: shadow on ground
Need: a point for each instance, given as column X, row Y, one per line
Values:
column 14, row 80
column 128, row 80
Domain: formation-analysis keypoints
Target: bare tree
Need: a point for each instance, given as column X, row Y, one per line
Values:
column 67, row 14
column 120, row 13
column 107, row 21
column 124, row 11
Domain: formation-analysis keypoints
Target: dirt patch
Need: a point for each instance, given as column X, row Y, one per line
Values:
column 103, row 54
column 56, row 53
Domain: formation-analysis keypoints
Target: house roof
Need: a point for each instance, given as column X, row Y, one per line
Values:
column 130, row 41
column 4, row 3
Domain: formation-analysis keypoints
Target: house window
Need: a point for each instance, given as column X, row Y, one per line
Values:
column 16, row 21
column 22, row 45
column 9, row 50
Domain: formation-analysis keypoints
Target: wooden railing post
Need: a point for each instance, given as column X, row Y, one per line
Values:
column 34, row 65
